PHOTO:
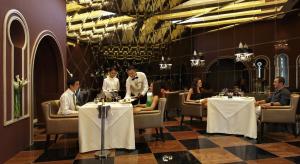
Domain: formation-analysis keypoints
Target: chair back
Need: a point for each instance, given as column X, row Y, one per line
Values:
column 46, row 109
column 54, row 107
column 182, row 98
column 294, row 102
column 161, row 107
column 50, row 108
column 57, row 123
column 172, row 99
column 46, row 106
column 172, row 103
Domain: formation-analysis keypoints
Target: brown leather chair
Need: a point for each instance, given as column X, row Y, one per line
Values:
column 280, row 114
column 172, row 104
column 151, row 119
column 57, row 123
column 192, row 109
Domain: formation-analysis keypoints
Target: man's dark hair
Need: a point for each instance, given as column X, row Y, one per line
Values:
column 72, row 81
column 280, row 79
column 132, row 67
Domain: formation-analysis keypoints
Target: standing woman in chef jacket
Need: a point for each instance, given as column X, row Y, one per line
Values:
column 111, row 82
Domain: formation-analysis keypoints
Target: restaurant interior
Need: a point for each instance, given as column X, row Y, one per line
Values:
column 220, row 80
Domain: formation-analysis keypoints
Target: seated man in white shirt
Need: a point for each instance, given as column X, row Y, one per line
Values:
column 136, row 85
column 111, row 82
column 68, row 98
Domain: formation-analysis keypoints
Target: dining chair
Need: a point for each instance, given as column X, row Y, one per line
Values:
column 151, row 119
column 280, row 114
column 57, row 123
column 191, row 109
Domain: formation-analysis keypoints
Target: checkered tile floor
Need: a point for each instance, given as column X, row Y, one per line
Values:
column 184, row 144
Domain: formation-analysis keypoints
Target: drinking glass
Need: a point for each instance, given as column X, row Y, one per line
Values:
column 241, row 93
column 230, row 94
column 221, row 94
column 96, row 100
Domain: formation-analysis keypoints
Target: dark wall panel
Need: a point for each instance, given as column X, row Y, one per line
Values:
column 260, row 36
column 40, row 15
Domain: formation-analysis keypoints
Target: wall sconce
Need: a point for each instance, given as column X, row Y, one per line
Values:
column 281, row 45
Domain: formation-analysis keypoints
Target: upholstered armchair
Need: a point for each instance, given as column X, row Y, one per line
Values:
column 172, row 104
column 280, row 114
column 192, row 109
column 151, row 119
column 57, row 123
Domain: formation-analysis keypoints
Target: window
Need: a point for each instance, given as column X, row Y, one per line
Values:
column 282, row 67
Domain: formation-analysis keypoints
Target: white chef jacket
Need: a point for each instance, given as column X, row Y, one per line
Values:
column 110, row 84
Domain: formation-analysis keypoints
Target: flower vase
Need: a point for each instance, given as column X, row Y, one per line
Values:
column 17, row 103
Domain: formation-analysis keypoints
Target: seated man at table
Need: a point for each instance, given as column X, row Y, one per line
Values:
column 280, row 97
column 68, row 98
column 158, row 90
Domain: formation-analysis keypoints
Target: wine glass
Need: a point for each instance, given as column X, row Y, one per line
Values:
column 96, row 100
column 230, row 94
column 221, row 94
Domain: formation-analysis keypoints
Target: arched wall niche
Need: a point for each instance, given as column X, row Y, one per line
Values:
column 46, row 48
column 15, row 62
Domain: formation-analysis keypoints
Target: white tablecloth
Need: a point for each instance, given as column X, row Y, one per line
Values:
column 119, row 127
column 232, row 116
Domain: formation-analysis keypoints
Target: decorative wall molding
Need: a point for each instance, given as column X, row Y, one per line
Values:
column 268, row 65
column 297, row 71
column 277, row 67
column 36, row 44
column 15, row 15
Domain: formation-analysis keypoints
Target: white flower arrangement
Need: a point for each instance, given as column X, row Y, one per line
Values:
column 19, row 83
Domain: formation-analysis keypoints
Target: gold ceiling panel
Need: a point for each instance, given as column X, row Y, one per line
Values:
column 224, row 22
column 217, row 10
column 73, row 6
column 184, row 14
column 147, row 28
column 114, row 20
column 232, row 15
column 88, row 25
column 176, row 33
column 88, row 15
column 251, row 4
column 202, row 3
column 158, row 21
column 74, row 27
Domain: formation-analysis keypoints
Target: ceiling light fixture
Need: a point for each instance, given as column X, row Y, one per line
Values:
column 243, row 53
column 197, row 59
column 163, row 65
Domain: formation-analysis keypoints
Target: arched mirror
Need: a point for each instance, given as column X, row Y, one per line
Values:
column 282, row 67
